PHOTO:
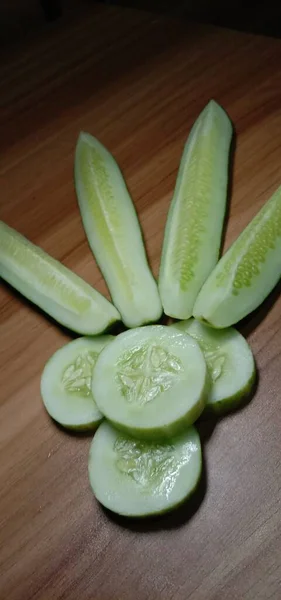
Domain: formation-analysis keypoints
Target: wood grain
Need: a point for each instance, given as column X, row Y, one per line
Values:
column 137, row 82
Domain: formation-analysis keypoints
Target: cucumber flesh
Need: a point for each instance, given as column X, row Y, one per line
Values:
column 194, row 226
column 137, row 479
column 230, row 362
column 66, row 383
column 151, row 382
column 114, row 234
column 53, row 287
column 248, row 271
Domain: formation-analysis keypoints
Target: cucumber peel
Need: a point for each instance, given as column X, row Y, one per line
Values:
column 53, row 287
column 113, row 231
column 139, row 479
column 194, row 225
column 66, row 383
column 151, row 382
column 230, row 362
column 248, row 271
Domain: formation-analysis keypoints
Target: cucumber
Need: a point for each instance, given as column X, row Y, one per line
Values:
column 53, row 287
column 194, row 225
column 114, row 234
column 66, row 383
column 230, row 362
column 248, row 271
column 138, row 479
column 151, row 382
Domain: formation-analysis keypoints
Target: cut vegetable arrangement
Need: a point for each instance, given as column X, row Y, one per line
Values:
column 230, row 362
column 150, row 384
column 138, row 479
column 114, row 234
column 53, row 287
column 193, row 231
column 66, row 383
column 247, row 272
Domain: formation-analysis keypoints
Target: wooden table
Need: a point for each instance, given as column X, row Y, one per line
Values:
column 137, row 82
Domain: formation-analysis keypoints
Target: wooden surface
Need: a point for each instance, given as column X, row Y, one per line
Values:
column 137, row 82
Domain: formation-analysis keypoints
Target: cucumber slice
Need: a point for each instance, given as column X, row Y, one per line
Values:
column 114, row 234
column 137, row 479
column 246, row 273
column 66, row 383
column 53, row 287
column 230, row 362
column 195, row 220
column 151, row 382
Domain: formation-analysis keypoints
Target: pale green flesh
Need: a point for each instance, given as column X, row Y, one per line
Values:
column 194, row 225
column 151, row 382
column 66, row 383
column 114, row 234
column 248, row 271
column 230, row 362
column 53, row 287
column 137, row 479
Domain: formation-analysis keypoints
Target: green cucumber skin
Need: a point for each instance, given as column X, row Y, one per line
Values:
column 201, row 254
column 221, row 304
column 122, row 261
column 232, row 403
column 90, row 427
column 94, row 315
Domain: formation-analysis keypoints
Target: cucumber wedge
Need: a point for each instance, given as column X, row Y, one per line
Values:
column 53, row 287
column 151, row 382
column 195, row 220
column 114, row 234
column 248, row 271
column 66, row 383
column 138, row 479
column 230, row 362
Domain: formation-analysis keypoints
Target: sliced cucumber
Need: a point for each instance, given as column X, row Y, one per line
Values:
column 194, row 225
column 66, row 383
column 151, row 382
column 138, row 479
column 247, row 272
column 53, row 287
column 114, row 234
column 230, row 362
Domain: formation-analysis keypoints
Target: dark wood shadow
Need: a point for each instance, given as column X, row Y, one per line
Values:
column 52, row 9
column 232, row 152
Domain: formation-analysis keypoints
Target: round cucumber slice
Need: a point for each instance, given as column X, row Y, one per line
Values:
column 66, row 383
column 114, row 233
column 230, row 362
column 248, row 271
column 53, row 287
column 195, row 220
column 151, row 382
column 136, row 478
